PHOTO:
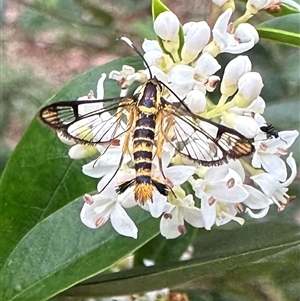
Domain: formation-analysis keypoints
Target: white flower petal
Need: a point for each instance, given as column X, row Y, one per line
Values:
column 80, row 151
column 157, row 206
column 235, row 194
column 149, row 45
column 166, row 26
column 208, row 213
column 256, row 160
column 65, row 140
column 122, row 223
column 266, row 182
column 216, row 173
column 100, row 87
column 193, row 216
column 292, row 164
column 169, row 226
column 178, row 174
column 262, row 213
column 232, row 73
column 206, row 65
column 250, row 85
column 237, row 166
column 256, row 199
column 196, row 36
column 90, row 213
column 288, row 137
column 196, row 101
column 274, row 166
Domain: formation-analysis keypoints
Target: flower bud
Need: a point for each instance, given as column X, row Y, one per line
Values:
column 206, row 66
column 232, row 73
column 245, row 125
column 250, row 85
column 166, row 26
column 196, row 101
column 253, row 6
column 196, row 36
column 79, row 151
column 246, row 33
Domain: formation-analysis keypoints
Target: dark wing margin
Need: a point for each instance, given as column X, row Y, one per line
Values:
column 201, row 140
column 87, row 121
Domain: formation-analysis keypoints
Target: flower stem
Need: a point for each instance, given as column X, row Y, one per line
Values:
column 222, row 100
column 253, row 171
column 218, row 110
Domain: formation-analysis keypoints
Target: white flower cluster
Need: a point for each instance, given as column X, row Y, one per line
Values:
column 222, row 192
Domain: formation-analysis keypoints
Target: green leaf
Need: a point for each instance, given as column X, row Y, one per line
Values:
column 40, row 178
column 161, row 250
column 157, row 8
column 226, row 260
column 283, row 29
column 60, row 251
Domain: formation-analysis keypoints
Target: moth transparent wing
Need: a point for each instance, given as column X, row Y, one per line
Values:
column 203, row 141
column 88, row 122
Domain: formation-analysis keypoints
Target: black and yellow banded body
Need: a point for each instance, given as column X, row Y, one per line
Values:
column 147, row 110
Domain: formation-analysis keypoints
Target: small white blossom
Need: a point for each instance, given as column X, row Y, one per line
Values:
column 183, row 78
column 243, row 124
column 81, row 151
column 126, row 77
column 233, row 72
column 253, row 6
column 244, row 38
column 196, row 36
column 106, row 164
column 178, row 211
column 274, row 189
column 219, row 191
column 166, row 26
column 196, row 101
column 250, row 85
column 106, row 206
column 267, row 153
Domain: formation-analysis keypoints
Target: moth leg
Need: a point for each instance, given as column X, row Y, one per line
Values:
column 160, row 142
column 125, row 147
column 131, row 121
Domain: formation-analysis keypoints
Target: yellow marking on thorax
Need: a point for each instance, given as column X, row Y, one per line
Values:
column 148, row 111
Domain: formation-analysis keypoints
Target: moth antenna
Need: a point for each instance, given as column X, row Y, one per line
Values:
column 180, row 100
column 130, row 44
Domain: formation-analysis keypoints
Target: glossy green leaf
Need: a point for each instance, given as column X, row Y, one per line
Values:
column 60, row 251
column 161, row 250
column 157, row 8
column 283, row 29
column 40, row 178
column 225, row 258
